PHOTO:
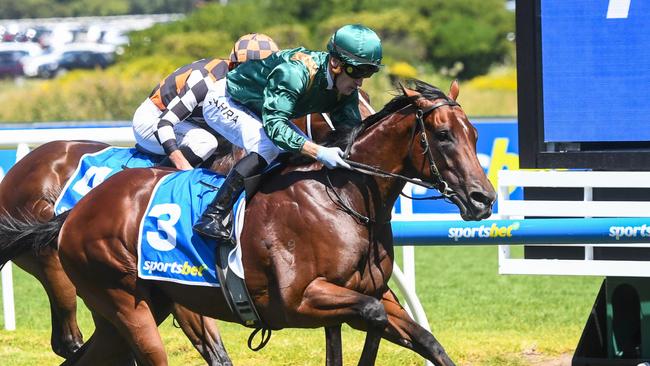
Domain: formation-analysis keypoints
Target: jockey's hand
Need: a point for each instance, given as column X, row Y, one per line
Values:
column 331, row 157
column 179, row 160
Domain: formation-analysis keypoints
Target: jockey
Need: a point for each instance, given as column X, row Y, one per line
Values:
column 252, row 108
column 170, row 121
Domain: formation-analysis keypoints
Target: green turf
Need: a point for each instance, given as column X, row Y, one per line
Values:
column 480, row 317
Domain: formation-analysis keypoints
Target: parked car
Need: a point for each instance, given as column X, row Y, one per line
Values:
column 71, row 60
column 68, row 57
column 32, row 64
column 10, row 65
column 12, row 55
column 27, row 48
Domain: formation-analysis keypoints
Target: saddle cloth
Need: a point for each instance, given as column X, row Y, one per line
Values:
column 168, row 249
column 95, row 168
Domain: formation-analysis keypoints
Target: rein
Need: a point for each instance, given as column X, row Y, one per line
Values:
column 438, row 181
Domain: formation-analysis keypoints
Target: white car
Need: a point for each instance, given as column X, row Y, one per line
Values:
column 28, row 48
column 32, row 64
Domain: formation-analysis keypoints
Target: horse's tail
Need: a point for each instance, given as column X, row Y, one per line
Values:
column 17, row 236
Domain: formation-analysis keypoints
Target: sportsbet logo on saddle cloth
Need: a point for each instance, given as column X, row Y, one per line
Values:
column 168, row 249
column 95, row 168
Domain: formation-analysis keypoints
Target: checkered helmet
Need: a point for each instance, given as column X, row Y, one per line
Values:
column 253, row 46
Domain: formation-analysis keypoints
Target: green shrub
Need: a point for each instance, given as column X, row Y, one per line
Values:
column 399, row 42
column 209, row 32
column 463, row 38
column 149, row 65
column 197, row 45
column 472, row 32
column 289, row 35
column 80, row 95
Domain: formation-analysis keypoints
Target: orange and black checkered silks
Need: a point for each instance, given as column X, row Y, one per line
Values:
column 173, row 84
column 253, row 46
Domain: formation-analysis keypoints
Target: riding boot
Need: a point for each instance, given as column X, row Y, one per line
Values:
column 216, row 221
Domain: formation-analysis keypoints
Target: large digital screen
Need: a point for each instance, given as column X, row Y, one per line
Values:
column 583, row 84
column 596, row 70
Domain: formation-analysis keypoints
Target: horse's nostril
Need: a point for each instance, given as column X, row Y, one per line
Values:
column 481, row 197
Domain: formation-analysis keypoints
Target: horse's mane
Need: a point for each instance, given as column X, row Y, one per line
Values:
column 343, row 138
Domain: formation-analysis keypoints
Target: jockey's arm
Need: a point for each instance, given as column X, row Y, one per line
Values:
column 179, row 109
column 285, row 85
column 280, row 95
column 310, row 149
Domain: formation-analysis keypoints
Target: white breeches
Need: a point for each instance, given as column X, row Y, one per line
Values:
column 145, row 123
column 237, row 123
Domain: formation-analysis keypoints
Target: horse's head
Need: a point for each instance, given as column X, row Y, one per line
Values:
column 443, row 150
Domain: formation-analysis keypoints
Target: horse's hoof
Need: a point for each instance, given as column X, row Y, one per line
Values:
column 67, row 349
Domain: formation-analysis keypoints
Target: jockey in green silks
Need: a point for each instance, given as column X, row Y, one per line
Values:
column 253, row 107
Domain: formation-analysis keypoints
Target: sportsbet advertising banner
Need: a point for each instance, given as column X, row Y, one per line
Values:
column 496, row 148
column 529, row 231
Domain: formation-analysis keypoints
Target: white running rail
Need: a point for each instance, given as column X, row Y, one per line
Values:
column 587, row 207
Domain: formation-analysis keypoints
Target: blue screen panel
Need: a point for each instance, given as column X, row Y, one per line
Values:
column 596, row 70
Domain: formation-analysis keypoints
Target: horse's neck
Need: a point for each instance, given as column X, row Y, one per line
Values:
column 385, row 145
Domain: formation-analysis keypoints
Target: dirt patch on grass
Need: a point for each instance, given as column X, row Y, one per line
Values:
column 533, row 359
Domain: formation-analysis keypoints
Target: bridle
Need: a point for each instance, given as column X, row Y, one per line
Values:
column 438, row 182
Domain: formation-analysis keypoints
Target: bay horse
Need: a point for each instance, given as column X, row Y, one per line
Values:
column 324, row 259
column 30, row 189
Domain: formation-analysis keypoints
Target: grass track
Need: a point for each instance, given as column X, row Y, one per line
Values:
column 480, row 317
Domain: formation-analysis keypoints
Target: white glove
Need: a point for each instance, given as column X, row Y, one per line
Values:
column 331, row 157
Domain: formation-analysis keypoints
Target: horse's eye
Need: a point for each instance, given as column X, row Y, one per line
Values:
column 443, row 135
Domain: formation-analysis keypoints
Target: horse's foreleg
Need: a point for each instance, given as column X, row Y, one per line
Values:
column 333, row 346
column 404, row 331
column 332, row 305
column 371, row 347
column 203, row 334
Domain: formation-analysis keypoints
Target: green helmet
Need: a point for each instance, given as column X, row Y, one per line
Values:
column 356, row 45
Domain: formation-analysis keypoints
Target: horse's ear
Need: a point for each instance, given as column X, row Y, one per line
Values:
column 454, row 89
column 409, row 92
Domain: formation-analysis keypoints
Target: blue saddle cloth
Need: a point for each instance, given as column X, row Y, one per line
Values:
column 168, row 249
column 95, row 168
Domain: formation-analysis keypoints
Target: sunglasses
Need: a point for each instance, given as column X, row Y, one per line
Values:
column 360, row 71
